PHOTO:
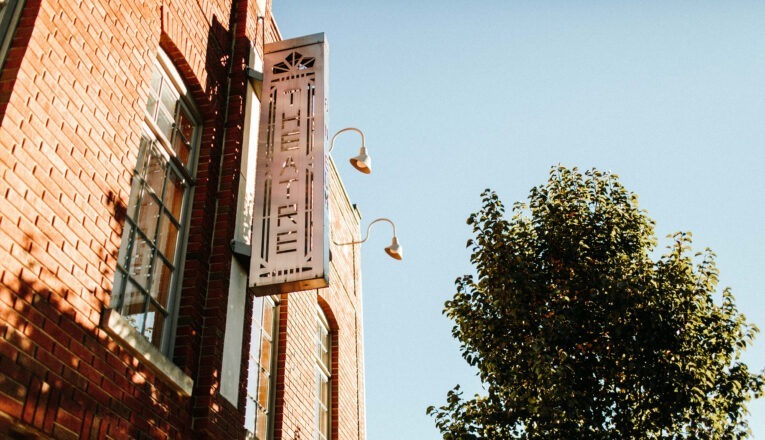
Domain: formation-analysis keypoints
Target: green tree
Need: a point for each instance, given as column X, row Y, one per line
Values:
column 577, row 333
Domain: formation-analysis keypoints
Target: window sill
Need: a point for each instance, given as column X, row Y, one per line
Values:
column 117, row 326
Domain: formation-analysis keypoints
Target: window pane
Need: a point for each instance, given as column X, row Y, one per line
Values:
column 156, row 81
column 257, row 318
column 135, row 190
column 325, row 357
column 265, row 353
column 148, row 215
column 135, row 198
column 324, row 391
column 262, row 426
column 167, row 238
column 323, row 425
column 263, row 389
column 253, row 373
column 126, row 248
column 168, row 98
column 249, row 416
column 317, row 339
column 140, row 261
column 151, row 104
column 144, row 155
column 160, row 288
column 184, row 134
column 174, row 194
column 133, row 303
column 255, row 345
column 164, row 123
column 322, row 405
column 185, row 124
column 155, row 172
column 155, row 321
column 268, row 316
column 322, row 343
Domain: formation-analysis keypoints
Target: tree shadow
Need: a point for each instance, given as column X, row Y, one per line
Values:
column 62, row 375
column 200, row 327
column 205, row 292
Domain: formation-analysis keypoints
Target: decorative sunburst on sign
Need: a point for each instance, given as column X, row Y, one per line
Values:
column 294, row 61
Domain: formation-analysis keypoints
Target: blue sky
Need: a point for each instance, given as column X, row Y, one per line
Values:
column 455, row 97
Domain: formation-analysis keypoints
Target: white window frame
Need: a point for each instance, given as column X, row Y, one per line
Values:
column 114, row 321
column 254, row 369
column 323, row 375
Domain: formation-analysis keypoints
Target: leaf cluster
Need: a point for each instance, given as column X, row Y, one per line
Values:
column 576, row 332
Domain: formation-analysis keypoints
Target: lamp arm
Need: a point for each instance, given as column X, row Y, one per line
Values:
column 366, row 236
column 332, row 143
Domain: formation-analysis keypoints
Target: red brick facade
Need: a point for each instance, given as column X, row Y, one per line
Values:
column 73, row 89
column 341, row 303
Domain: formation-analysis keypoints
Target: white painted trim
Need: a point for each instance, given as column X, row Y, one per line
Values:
column 231, row 365
column 119, row 328
column 172, row 72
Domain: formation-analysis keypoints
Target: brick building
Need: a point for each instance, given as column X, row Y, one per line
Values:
column 127, row 142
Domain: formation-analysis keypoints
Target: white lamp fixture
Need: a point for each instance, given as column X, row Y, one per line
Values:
column 394, row 250
column 362, row 162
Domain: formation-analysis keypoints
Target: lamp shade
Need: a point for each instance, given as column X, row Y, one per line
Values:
column 362, row 162
column 395, row 250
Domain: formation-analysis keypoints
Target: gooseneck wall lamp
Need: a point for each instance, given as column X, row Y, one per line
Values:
column 362, row 162
column 394, row 250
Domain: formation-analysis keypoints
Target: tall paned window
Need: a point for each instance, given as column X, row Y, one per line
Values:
column 323, row 376
column 150, row 259
column 257, row 414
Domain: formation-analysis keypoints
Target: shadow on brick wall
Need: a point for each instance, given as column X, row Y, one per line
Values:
column 201, row 325
column 61, row 376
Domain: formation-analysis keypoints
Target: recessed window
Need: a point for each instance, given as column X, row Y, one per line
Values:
column 10, row 11
column 148, row 270
column 323, row 376
column 258, row 403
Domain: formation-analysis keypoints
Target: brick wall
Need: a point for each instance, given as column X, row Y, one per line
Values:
column 72, row 94
column 296, row 361
column 76, row 78
column 72, row 97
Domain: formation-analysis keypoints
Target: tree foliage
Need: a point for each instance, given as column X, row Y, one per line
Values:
column 577, row 333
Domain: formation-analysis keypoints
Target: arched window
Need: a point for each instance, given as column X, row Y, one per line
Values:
column 323, row 376
column 260, row 378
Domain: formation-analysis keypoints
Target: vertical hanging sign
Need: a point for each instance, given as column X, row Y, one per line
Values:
column 290, row 246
